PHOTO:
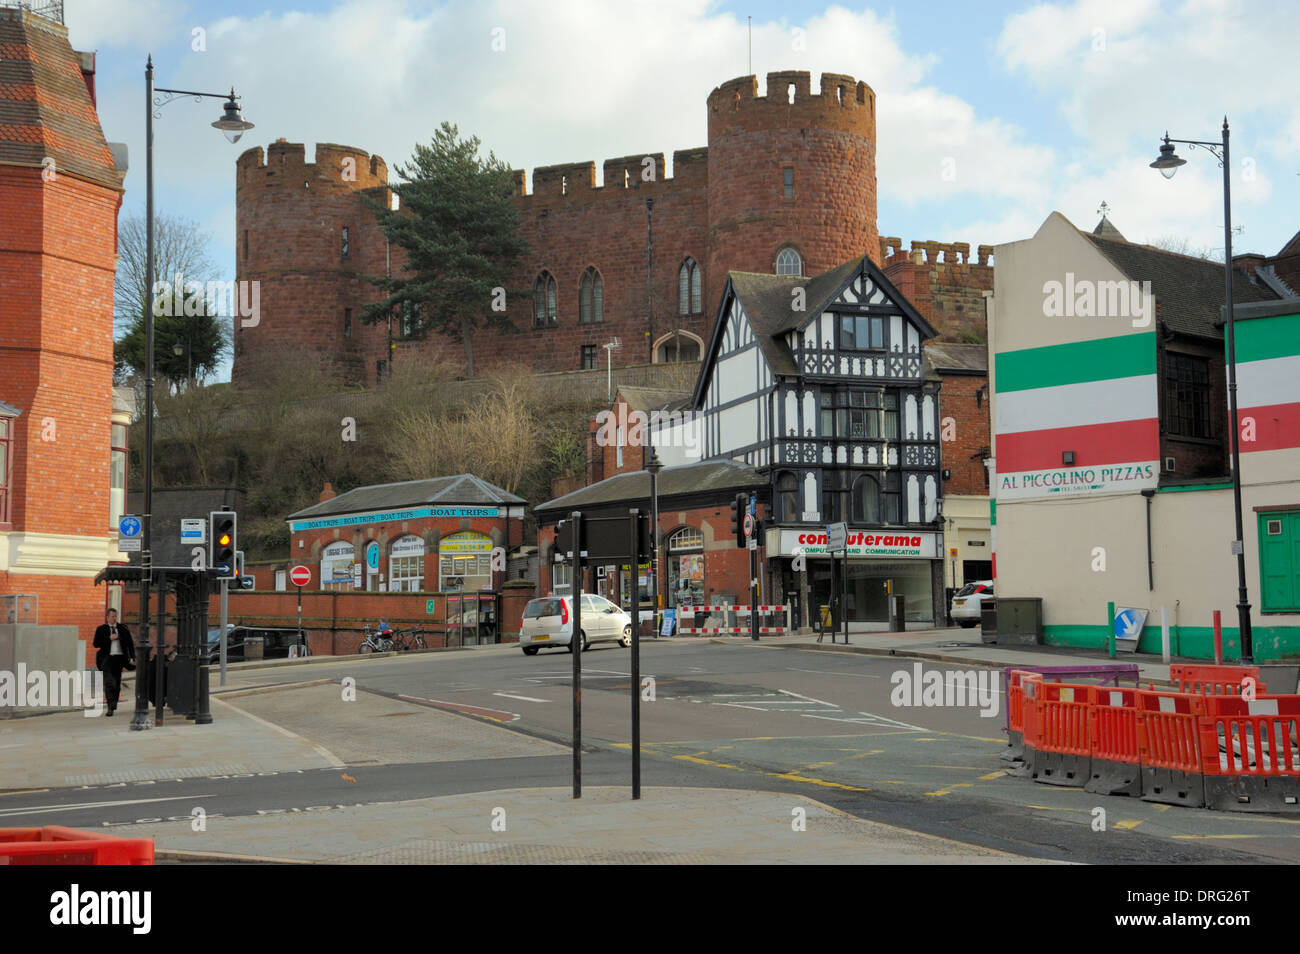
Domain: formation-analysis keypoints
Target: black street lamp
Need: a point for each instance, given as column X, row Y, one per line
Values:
column 233, row 125
column 1168, row 164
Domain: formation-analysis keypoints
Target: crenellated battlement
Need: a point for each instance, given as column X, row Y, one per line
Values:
column 337, row 166
column 790, row 91
column 639, row 171
column 933, row 253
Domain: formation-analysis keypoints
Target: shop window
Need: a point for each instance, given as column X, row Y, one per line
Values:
column 336, row 566
column 544, row 307
column 591, row 298
column 685, row 568
column 465, row 562
column 1279, row 561
column 406, row 565
column 1187, row 395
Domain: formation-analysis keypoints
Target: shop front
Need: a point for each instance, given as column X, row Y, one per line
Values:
column 880, row 563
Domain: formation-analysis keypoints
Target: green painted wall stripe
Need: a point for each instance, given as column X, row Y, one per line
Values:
column 1124, row 356
column 1188, row 487
column 1262, row 338
column 1271, row 643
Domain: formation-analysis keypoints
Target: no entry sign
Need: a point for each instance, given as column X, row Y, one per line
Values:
column 300, row 575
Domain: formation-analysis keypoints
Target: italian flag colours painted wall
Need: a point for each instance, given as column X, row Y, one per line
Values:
column 1096, row 399
column 1268, row 383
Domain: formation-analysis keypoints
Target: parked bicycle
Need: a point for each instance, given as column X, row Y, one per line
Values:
column 409, row 639
column 379, row 641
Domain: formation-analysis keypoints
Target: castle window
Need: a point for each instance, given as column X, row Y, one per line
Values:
column 588, row 357
column 544, row 313
column 591, row 298
column 564, row 185
column 688, row 288
column 245, row 243
column 788, row 262
column 345, row 241
column 347, row 322
column 788, row 173
column 412, row 319
column 790, row 92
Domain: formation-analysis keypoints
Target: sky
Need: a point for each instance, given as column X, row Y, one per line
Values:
column 990, row 115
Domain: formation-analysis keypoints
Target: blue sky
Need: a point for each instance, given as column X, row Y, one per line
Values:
column 1034, row 106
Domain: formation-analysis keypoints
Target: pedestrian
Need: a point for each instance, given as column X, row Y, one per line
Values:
column 115, row 651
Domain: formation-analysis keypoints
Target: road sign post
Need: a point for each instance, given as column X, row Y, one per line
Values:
column 837, row 538
column 300, row 576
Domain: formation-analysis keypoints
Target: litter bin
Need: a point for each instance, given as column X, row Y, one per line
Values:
column 988, row 621
column 254, row 647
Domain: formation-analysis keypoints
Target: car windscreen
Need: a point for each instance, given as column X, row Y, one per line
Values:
column 539, row 608
column 966, row 590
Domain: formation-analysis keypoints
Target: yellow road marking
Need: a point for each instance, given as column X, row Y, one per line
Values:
column 795, row 777
column 942, row 791
column 700, row 761
column 1128, row 824
column 992, row 775
column 25, row 791
column 863, row 755
column 1191, row 837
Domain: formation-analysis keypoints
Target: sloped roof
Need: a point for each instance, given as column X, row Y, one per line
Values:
column 1105, row 229
column 654, row 399
column 1188, row 290
column 948, row 356
column 703, row 477
column 459, row 489
column 45, row 108
column 767, row 303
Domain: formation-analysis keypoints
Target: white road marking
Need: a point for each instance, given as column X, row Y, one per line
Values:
column 868, row 720
column 14, row 812
column 827, row 672
column 524, row 698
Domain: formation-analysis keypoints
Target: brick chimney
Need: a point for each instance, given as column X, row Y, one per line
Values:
column 328, row 493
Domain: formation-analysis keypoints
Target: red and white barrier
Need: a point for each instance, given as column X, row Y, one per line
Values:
column 682, row 611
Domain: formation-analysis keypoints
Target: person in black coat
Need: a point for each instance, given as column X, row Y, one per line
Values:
column 115, row 651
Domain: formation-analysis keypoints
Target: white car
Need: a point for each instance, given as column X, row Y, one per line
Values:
column 548, row 621
column 967, row 601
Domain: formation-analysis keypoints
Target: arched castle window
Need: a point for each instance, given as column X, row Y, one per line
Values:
column 688, row 288
column 591, row 297
column 682, row 346
column 544, row 301
column 788, row 262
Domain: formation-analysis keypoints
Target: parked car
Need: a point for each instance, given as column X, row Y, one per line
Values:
column 967, row 601
column 275, row 642
column 548, row 621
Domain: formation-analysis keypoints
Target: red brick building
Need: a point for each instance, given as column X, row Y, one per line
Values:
column 61, row 483
column 787, row 182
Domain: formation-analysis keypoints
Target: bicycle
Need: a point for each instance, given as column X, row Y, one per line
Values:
column 409, row 639
column 375, row 642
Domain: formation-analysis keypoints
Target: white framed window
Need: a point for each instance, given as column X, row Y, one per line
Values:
column 336, row 562
column 687, row 538
column 406, row 564
column 465, row 562
column 788, row 262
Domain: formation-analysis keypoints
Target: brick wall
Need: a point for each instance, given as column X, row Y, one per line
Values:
column 970, row 429
column 945, row 284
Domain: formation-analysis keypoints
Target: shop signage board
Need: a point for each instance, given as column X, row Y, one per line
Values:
column 837, row 535
column 922, row 545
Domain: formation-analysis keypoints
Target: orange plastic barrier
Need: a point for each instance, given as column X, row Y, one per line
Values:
column 1214, row 680
column 1250, row 752
column 1168, row 747
column 1061, row 745
column 1114, row 738
column 56, row 845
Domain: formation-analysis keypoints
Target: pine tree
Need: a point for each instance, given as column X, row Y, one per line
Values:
column 458, row 224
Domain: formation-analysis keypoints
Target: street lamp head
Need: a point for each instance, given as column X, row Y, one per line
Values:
column 177, row 349
column 232, row 123
column 655, row 464
column 1168, row 162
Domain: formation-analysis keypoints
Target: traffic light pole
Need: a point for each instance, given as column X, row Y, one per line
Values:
column 575, row 649
column 223, row 631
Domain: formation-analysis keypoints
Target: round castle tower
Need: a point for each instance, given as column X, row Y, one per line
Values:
column 290, row 220
column 827, row 141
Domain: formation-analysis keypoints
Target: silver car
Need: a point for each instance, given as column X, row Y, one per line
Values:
column 548, row 621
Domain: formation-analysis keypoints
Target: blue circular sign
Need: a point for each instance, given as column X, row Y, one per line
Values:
column 129, row 527
column 372, row 556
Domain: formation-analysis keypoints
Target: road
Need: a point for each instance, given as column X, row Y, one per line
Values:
column 781, row 719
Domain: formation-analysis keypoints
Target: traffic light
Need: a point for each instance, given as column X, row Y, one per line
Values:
column 739, row 506
column 223, row 532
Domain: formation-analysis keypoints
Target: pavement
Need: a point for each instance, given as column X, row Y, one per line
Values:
column 263, row 726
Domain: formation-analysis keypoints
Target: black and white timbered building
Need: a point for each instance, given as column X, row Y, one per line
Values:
column 822, row 386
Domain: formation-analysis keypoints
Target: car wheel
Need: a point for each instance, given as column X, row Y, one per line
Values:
column 967, row 623
column 626, row 641
column 530, row 650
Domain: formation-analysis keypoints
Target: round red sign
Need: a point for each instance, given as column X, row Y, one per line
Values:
column 300, row 575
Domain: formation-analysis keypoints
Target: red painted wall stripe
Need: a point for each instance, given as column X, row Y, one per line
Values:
column 1276, row 427
column 1122, row 442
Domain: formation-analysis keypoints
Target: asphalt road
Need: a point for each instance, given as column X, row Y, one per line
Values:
column 787, row 719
